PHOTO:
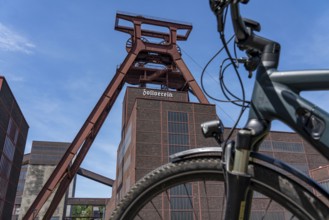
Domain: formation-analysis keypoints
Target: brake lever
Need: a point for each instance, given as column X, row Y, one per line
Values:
column 251, row 62
column 218, row 6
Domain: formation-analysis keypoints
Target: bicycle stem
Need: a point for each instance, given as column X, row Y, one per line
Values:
column 247, row 39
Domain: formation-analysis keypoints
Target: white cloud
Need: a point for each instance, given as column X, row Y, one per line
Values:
column 11, row 41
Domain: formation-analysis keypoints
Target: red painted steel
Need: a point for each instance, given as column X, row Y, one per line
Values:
column 133, row 70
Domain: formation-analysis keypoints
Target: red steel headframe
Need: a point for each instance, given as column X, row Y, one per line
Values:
column 175, row 75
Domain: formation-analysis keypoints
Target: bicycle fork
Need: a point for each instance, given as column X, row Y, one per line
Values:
column 237, row 181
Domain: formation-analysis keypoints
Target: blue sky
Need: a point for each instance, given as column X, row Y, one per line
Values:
column 58, row 57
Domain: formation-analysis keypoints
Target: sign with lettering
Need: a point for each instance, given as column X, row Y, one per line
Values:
column 157, row 93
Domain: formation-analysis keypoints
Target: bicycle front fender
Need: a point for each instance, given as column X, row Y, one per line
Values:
column 197, row 152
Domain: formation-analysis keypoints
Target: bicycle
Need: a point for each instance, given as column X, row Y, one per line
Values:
column 239, row 165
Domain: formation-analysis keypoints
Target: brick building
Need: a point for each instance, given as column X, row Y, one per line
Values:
column 158, row 123
column 13, row 134
column 155, row 124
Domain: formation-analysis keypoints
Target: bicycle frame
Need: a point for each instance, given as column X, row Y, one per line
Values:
column 276, row 95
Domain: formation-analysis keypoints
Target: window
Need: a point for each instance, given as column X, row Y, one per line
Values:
column 178, row 139
column 181, row 199
column 181, row 215
column 12, row 131
column 178, row 127
column 181, row 190
column 9, row 149
column 5, row 167
column 287, row 147
column 176, row 149
column 266, row 145
column 178, row 136
column 126, row 143
column 121, row 163
column 177, row 116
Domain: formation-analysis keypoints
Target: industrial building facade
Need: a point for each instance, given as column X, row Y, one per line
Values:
column 157, row 123
column 13, row 134
column 37, row 168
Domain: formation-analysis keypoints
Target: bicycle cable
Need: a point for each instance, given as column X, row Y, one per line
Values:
column 224, row 88
column 240, row 102
column 203, row 73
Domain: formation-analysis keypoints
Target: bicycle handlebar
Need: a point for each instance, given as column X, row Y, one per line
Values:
column 241, row 32
column 244, row 31
column 218, row 7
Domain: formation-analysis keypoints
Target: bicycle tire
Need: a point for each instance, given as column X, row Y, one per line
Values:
column 285, row 191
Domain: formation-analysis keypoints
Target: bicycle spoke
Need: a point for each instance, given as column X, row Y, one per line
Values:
column 190, row 199
column 157, row 211
column 267, row 207
column 223, row 202
column 206, row 193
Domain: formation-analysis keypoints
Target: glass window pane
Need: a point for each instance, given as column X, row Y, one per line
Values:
column 9, row 149
column 184, row 189
column 266, row 145
column 179, row 215
column 12, row 130
column 287, row 147
column 5, row 167
column 176, row 148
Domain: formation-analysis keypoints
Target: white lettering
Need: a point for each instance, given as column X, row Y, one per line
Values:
column 157, row 93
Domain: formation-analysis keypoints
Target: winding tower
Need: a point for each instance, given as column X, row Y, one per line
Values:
column 153, row 58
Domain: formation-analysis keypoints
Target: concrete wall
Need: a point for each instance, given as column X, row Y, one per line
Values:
column 36, row 177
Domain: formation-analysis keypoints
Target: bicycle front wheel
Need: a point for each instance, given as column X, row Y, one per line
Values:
column 194, row 189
